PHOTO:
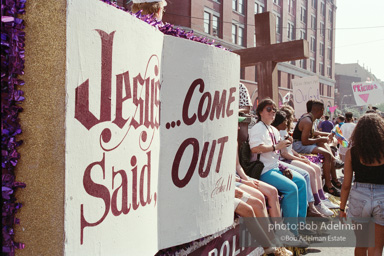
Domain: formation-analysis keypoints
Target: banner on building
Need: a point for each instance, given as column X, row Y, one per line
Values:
column 134, row 182
column 304, row 89
column 367, row 93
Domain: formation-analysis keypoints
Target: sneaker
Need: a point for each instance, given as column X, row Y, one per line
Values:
column 339, row 164
column 324, row 210
column 327, row 203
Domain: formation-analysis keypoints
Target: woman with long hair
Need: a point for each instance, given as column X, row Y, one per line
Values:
column 365, row 159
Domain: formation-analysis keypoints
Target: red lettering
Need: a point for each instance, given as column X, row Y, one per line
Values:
column 125, row 207
column 95, row 190
column 218, row 105
column 119, row 120
column 176, row 163
column 82, row 112
column 190, row 120
column 195, row 144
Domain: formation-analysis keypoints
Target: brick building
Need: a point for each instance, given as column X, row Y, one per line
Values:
column 231, row 24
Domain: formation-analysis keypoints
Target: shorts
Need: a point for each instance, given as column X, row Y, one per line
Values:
column 300, row 148
column 244, row 198
column 366, row 200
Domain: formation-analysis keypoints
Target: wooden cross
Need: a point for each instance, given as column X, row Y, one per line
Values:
column 267, row 54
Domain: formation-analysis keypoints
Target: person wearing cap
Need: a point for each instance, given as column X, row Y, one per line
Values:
column 155, row 7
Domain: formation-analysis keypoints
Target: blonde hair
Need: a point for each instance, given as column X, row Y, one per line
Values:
column 147, row 8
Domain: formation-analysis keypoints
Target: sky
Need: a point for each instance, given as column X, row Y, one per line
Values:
column 356, row 40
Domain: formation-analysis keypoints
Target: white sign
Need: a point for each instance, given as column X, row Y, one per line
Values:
column 199, row 113
column 135, row 184
column 304, row 89
column 367, row 93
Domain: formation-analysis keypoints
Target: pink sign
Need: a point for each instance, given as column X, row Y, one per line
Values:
column 367, row 93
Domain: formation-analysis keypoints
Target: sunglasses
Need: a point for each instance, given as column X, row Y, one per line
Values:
column 269, row 109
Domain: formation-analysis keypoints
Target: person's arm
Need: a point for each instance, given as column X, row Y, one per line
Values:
column 345, row 189
column 240, row 170
column 321, row 133
column 264, row 148
column 305, row 135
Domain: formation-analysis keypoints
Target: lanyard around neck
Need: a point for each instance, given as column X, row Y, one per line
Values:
column 271, row 134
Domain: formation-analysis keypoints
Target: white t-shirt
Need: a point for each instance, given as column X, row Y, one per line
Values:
column 347, row 130
column 283, row 134
column 259, row 135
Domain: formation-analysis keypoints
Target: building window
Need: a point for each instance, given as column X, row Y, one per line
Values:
column 291, row 31
column 321, row 68
column 291, row 7
column 234, row 5
column 313, row 22
column 322, row 28
column 278, row 24
column 322, row 49
column 240, row 37
column 313, row 44
column 312, row 65
column 277, row 2
column 330, row 15
column 238, row 5
column 215, row 26
column 303, row 14
column 303, row 34
column 303, row 64
column 329, row 71
column 259, row 7
column 207, row 22
column 234, row 33
column 211, row 22
column 241, row 6
column 329, row 91
column 314, row 4
column 322, row 8
column 329, row 53
column 330, row 33
column 321, row 89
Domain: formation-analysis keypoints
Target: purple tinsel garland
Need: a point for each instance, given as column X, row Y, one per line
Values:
column 12, row 65
column 167, row 28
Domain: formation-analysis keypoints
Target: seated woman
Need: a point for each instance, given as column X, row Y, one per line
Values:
column 288, row 155
column 263, row 140
column 250, row 207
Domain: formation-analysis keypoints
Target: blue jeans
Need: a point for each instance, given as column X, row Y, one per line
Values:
column 306, row 176
column 367, row 201
column 294, row 202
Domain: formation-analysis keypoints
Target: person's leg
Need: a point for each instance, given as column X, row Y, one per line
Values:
column 290, row 201
column 273, row 198
column 379, row 241
column 319, row 182
column 245, row 210
column 327, row 147
column 257, row 201
column 327, row 164
column 311, row 171
column 301, row 184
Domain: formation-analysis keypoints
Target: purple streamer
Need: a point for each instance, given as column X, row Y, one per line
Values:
column 12, row 65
